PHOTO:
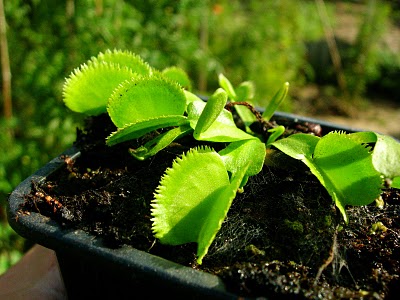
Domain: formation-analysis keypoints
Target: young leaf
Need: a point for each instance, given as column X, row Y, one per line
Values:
column 245, row 91
column 385, row 156
column 142, row 98
column 246, row 116
column 275, row 133
column 276, row 101
column 299, row 146
column 342, row 165
column 190, row 97
column 88, row 88
column 227, row 86
column 396, row 182
column 363, row 137
column 211, row 111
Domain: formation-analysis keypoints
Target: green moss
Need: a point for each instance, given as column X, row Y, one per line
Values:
column 295, row 226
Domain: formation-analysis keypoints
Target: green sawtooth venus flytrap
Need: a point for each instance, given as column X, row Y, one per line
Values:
column 194, row 194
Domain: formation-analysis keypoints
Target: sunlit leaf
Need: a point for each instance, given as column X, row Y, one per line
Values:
column 142, row 98
column 342, row 165
column 223, row 129
column 140, row 128
column 88, row 88
column 210, row 112
column 184, row 195
column 190, row 205
column 241, row 154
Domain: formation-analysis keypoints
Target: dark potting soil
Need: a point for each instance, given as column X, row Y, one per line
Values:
column 282, row 236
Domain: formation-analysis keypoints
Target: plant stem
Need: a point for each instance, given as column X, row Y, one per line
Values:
column 266, row 124
column 5, row 65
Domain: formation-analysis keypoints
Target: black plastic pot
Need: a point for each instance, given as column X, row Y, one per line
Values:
column 117, row 273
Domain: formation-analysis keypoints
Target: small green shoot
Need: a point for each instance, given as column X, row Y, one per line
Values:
column 276, row 132
column 276, row 101
column 210, row 113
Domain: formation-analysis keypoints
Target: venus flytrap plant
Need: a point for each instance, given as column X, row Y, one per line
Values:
column 276, row 100
column 195, row 193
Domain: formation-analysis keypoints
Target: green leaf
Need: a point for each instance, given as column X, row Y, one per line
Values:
column 238, row 155
column 211, row 111
column 144, row 98
column 88, row 88
column 190, row 97
column 386, row 156
column 342, row 165
column 223, row 129
column 396, row 182
column 184, row 196
column 190, row 205
column 178, row 75
column 276, row 101
column 245, row 91
column 217, row 213
column 155, row 145
column 298, row 146
column 363, row 137
column 227, row 86
column 246, row 116
column 140, row 128
column 275, row 133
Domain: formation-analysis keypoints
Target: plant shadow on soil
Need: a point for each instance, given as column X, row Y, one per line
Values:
column 282, row 236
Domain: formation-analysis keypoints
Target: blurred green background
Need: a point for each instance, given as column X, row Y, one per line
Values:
column 269, row 42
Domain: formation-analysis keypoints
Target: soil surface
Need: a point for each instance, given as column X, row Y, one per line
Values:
column 283, row 235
